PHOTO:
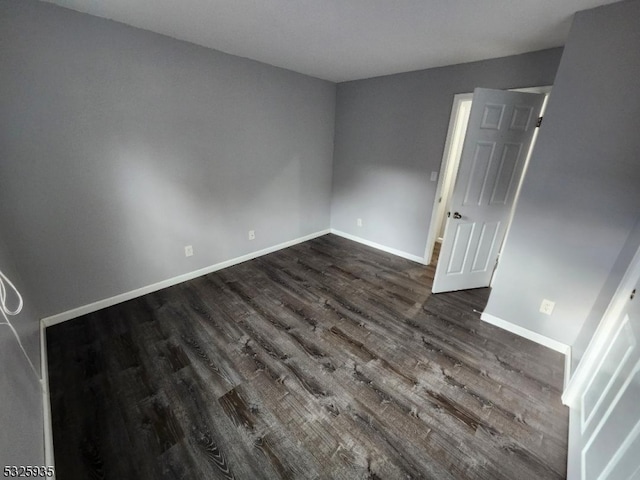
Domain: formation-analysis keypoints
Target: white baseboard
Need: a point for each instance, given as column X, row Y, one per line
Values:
column 46, row 400
column 123, row 297
column 377, row 246
column 528, row 334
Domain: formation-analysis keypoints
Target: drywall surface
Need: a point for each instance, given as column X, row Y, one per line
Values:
column 21, row 425
column 580, row 199
column 26, row 322
column 605, row 295
column 21, row 442
column 119, row 147
column 390, row 135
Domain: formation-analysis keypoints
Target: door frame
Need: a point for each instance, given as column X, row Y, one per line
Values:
column 448, row 170
column 451, row 159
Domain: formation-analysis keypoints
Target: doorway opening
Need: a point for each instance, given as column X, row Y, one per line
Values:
column 449, row 168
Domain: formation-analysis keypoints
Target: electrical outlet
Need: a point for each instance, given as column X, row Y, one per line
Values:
column 359, row 222
column 188, row 251
column 252, row 234
column 546, row 306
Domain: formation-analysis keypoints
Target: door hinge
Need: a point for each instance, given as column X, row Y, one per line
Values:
column 539, row 122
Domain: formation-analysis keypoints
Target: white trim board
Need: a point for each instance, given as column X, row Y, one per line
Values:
column 49, row 460
column 123, row 297
column 378, row 246
column 525, row 333
column 567, row 369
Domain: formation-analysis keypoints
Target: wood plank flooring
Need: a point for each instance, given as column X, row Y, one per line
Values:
column 327, row 360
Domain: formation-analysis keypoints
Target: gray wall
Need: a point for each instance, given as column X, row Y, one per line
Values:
column 119, row 146
column 390, row 135
column 21, row 425
column 581, row 197
column 604, row 298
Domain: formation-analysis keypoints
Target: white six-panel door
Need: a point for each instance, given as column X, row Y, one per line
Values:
column 604, row 392
column 499, row 134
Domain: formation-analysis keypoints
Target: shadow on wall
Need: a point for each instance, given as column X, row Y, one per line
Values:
column 541, row 266
column 21, row 414
column 385, row 197
column 127, row 146
column 605, row 296
column 163, row 204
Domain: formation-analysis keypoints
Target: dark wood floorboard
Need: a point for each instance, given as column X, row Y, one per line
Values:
column 326, row 360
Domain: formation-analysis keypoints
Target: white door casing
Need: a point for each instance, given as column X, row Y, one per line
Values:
column 604, row 392
column 499, row 134
column 448, row 169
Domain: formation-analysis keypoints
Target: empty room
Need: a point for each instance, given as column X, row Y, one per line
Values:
column 319, row 240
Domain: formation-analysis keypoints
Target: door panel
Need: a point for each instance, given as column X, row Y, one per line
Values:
column 521, row 119
column 492, row 116
column 608, row 373
column 476, row 181
column 626, row 469
column 497, row 141
column 461, row 240
column 486, row 243
column 608, row 445
column 505, row 178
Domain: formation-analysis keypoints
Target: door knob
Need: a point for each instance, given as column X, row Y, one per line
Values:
column 457, row 216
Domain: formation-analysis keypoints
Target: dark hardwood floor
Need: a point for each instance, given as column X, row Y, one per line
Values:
column 327, row 360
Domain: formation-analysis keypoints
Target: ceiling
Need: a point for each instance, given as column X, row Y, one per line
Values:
column 341, row 40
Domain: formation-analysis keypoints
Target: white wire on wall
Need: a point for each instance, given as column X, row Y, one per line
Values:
column 5, row 283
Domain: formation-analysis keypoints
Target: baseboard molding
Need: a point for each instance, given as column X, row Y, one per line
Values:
column 528, row 334
column 377, row 246
column 123, row 297
column 46, row 400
